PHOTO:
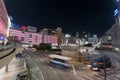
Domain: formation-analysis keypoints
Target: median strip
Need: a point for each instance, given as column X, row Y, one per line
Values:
column 35, row 72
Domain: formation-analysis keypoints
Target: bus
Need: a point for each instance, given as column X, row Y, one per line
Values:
column 60, row 60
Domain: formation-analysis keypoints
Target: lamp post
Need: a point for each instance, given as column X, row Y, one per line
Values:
column 104, row 67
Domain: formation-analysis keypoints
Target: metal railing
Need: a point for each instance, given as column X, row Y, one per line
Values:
column 34, row 70
column 7, row 54
column 5, row 47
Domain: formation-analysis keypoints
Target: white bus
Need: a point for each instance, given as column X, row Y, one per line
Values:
column 60, row 60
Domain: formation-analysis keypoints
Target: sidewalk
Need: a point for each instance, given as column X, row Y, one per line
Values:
column 14, row 67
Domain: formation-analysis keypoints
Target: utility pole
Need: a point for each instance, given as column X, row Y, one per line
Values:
column 104, row 67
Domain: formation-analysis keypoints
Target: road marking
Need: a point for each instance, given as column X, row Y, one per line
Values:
column 80, row 78
column 113, row 78
column 52, row 69
column 94, row 77
column 88, row 77
column 74, row 70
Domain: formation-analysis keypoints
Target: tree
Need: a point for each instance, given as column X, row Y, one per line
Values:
column 44, row 46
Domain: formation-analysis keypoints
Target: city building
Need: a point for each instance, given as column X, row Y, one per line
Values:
column 3, row 23
column 32, row 38
column 3, row 18
column 55, row 32
column 106, row 39
column 113, row 34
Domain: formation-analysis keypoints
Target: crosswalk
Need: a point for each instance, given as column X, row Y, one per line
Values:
column 94, row 77
column 83, row 76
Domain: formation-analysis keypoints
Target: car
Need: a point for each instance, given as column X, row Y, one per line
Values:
column 98, row 63
column 22, row 76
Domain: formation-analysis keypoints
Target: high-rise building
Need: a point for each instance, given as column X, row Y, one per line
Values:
column 3, row 18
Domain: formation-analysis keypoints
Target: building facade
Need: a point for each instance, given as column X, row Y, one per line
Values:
column 33, row 38
column 54, row 32
column 115, row 37
column 3, row 18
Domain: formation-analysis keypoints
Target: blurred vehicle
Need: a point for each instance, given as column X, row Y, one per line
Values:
column 98, row 63
column 22, row 76
column 60, row 60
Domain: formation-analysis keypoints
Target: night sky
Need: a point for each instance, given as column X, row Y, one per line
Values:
column 93, row 16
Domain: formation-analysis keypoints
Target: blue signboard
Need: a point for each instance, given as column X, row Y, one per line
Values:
column 15, row 25
column 1, row 37
column 116, row 12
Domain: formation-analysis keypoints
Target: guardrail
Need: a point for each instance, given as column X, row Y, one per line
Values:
column 7, row 54
column 5, row 47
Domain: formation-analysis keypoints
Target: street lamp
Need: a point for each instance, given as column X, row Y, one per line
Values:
column 117, row 0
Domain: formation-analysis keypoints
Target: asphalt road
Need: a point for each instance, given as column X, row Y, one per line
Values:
column 52, row 72
column 113, row 55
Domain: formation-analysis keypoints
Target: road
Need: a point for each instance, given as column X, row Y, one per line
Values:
column 52, row 72
column 111, row 54
column 114, row 56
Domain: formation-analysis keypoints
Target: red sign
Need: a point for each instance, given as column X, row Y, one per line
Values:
column 24, row 28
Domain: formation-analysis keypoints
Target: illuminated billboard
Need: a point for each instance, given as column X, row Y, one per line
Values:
column 1, row 37
column 24, row 28
column 32, row 29
column 67, row 35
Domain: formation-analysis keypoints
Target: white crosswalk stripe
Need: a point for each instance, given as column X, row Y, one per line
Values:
column 96, row 77
column 89, row 77
column 83, row 78
column 112, row 78
column 92, row 77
